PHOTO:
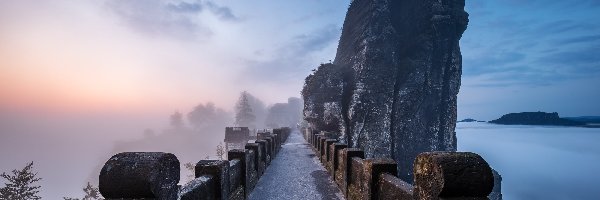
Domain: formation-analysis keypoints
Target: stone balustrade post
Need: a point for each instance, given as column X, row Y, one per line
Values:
column 452, row 174
column 342, row 176
column 325, row 150
column 270, row 146
column 201, row 188
column 264, row 146
column 333, row 160
column 247, row 166
column 257, row 157
column 136, row 175
column 219, row 170
column 392, row 187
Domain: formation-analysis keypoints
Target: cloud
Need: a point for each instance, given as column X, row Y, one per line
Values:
column 177, row 19
column 580, row 39
column 493, row 62
column 222, row 11
column 293, row 59
column 527, row 49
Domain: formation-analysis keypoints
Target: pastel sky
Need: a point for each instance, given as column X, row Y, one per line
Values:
column 531, row 55
column 84, row 74
column 163, row 55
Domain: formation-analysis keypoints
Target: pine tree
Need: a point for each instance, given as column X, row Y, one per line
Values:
column 19, row 185
column 91, row 193
column 244, row 115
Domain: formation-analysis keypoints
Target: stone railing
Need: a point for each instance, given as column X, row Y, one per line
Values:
column 154, row 175
column 438, row 175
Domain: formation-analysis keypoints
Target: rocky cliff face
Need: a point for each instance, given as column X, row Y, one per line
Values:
column 323, row 95
column 404, row 61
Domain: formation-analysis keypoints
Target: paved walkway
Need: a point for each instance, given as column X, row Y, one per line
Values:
column 295, row 173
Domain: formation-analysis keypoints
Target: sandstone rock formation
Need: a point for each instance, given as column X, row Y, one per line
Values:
column 395, row 79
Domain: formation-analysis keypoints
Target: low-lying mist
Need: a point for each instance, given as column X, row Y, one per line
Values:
column 68, row 149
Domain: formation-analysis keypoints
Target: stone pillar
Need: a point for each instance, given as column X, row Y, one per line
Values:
column 321, row 147
column 257, row 158
column 137, row 175
column 317, row 142
column 201, row 188
column 236, row 189
column 264, row 146
column 271, row 146
column 219, row 170
column 333, row 160
column 277, row 143
column 372, row 169
column 452, row 174
column 325, row 150
column 247, row 167
column 391, row 187
column 342, row 174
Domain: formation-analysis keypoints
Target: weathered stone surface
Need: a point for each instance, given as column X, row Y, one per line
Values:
column 452, row 174
column 201, row 188
column 325, row 152
column 277, row 142
column 321, row 147
column 342, row 174
column 248, row 169
column 372, row 168
column 355, row 178
column 400, row 66
column 264, row 148
column 258, row 164
column 284, row 131
column 237, row 194
column 333, row 160
column 271, row 146
column 317, row 142
column 323, row 94
column 219, row 170
column 235, row 175
column 391, row 187
column 140, row 175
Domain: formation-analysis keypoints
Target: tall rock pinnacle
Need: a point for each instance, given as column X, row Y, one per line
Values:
column 400, row 63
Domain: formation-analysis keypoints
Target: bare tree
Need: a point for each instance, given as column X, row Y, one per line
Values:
column 220, row 151
column 19, row 185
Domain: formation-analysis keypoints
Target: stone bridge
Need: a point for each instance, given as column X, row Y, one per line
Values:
column 292, row 164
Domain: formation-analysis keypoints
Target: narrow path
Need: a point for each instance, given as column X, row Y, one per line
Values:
column 295, row 173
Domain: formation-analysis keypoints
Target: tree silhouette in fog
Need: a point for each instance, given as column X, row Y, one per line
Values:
column 19, row 185
column 205, row 115
column 91, row 193
column 220, row 151
column 176, row 120
column 244, row 115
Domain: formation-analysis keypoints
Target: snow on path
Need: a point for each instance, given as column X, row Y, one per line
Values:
column 295, row 173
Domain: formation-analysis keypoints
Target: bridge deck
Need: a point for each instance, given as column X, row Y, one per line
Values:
column 296, row 174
